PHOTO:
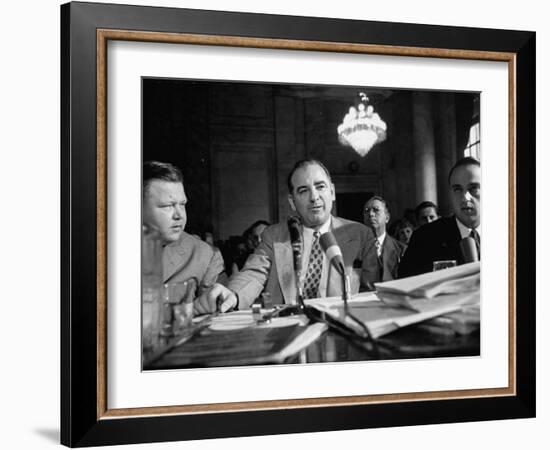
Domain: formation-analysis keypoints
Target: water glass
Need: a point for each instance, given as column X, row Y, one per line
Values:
column 445, row 264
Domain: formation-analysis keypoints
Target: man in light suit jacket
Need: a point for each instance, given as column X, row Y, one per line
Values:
column 440, row 240
column 384, row 252
column 270, row 267
column 184, row 256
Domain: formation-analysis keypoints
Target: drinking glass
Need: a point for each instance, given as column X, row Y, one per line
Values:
column 177, row 300
column 445, row 264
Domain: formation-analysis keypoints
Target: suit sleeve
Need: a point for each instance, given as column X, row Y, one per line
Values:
column 416, row 259
column 214, row 269
column 251, row 280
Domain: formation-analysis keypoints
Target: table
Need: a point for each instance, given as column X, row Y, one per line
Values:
column 439, row 337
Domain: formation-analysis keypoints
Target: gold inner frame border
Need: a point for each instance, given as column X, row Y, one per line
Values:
column 103, row 36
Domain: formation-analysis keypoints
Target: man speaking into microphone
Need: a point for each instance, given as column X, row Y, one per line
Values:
column 271, row 268
column 456, row 238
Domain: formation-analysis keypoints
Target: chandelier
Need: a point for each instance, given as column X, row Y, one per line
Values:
column 361, row 128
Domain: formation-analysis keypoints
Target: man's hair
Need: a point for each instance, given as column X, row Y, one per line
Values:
column 466, row 161
column 380, row 199
column 156, row 170
column 423, row 205
column 399, row 224
column 301, row 164
column 249, row 230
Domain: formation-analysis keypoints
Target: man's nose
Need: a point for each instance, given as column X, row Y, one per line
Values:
column 467, row 196
column 178, row 212
column 313, row 195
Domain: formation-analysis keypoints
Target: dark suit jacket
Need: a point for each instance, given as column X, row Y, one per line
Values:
column 189, row 258
column 385, row 267
column 435, row 241
column 271, row 264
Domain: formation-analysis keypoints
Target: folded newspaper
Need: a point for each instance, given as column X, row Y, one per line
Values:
column 411, row 300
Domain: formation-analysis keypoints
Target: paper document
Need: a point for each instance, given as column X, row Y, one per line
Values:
column 454, row 280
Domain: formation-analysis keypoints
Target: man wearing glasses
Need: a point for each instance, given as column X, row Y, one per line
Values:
column 385, row 252
column 271, row 269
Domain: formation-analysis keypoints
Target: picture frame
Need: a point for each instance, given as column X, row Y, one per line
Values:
column 85, row 416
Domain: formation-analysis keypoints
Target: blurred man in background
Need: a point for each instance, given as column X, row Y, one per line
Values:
column 384, row 252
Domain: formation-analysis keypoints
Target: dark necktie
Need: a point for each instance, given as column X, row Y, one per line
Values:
column 314, row 268
column 378, row 247
column 475, row 236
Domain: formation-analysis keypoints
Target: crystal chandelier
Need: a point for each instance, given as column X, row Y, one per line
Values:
column 362, row 128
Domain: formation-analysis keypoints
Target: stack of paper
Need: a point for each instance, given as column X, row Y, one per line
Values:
column 455, row 280
column 407, row 301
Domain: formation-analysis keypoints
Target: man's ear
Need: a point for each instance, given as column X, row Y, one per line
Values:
column 333, row 192
column 291, row 202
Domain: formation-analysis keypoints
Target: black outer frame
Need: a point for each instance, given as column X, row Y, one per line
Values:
column 79, row 423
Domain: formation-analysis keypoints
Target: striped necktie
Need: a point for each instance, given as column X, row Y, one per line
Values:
column 314, row 268
column 378, row 247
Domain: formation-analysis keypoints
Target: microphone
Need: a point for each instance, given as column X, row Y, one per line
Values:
column 469, row 249
column 295, row 231
column 334, row 255
column 294, row 228
column 333, row 252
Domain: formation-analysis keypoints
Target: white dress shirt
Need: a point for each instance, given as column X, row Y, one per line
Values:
column 465, row 231
column 381, row 240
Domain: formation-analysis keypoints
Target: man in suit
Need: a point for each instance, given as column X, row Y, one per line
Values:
column 184, row 257
column 270, row 267
column 440, row 240
column 383, row 253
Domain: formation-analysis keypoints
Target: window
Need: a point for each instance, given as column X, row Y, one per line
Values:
column 473, row 148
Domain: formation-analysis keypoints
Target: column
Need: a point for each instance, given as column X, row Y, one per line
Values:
column 424, row 148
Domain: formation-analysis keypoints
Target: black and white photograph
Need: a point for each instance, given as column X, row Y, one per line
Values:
column 299, row 223
column 271, row 224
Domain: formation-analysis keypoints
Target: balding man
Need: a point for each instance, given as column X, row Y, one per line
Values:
column 440, row 240
column 270, row 268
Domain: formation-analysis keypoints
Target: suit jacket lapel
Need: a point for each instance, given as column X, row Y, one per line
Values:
column 453, row 239
column 173, row 257
column 285, row 267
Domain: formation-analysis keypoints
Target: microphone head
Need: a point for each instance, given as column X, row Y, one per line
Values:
column 295, row 232
column 469, row 249
column 333, row 251
column 294, row 228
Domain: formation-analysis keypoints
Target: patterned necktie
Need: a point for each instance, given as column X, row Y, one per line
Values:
column 314, row 268
column 475, row 236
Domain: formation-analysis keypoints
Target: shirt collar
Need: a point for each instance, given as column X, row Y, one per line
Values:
column 381, row 238
column 324, row 228
column 464, row 230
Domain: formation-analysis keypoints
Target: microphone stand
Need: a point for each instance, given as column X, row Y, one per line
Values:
column 299, row 289
column 346, row 295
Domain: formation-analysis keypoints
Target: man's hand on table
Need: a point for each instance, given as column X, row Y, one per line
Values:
column 217, row 298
